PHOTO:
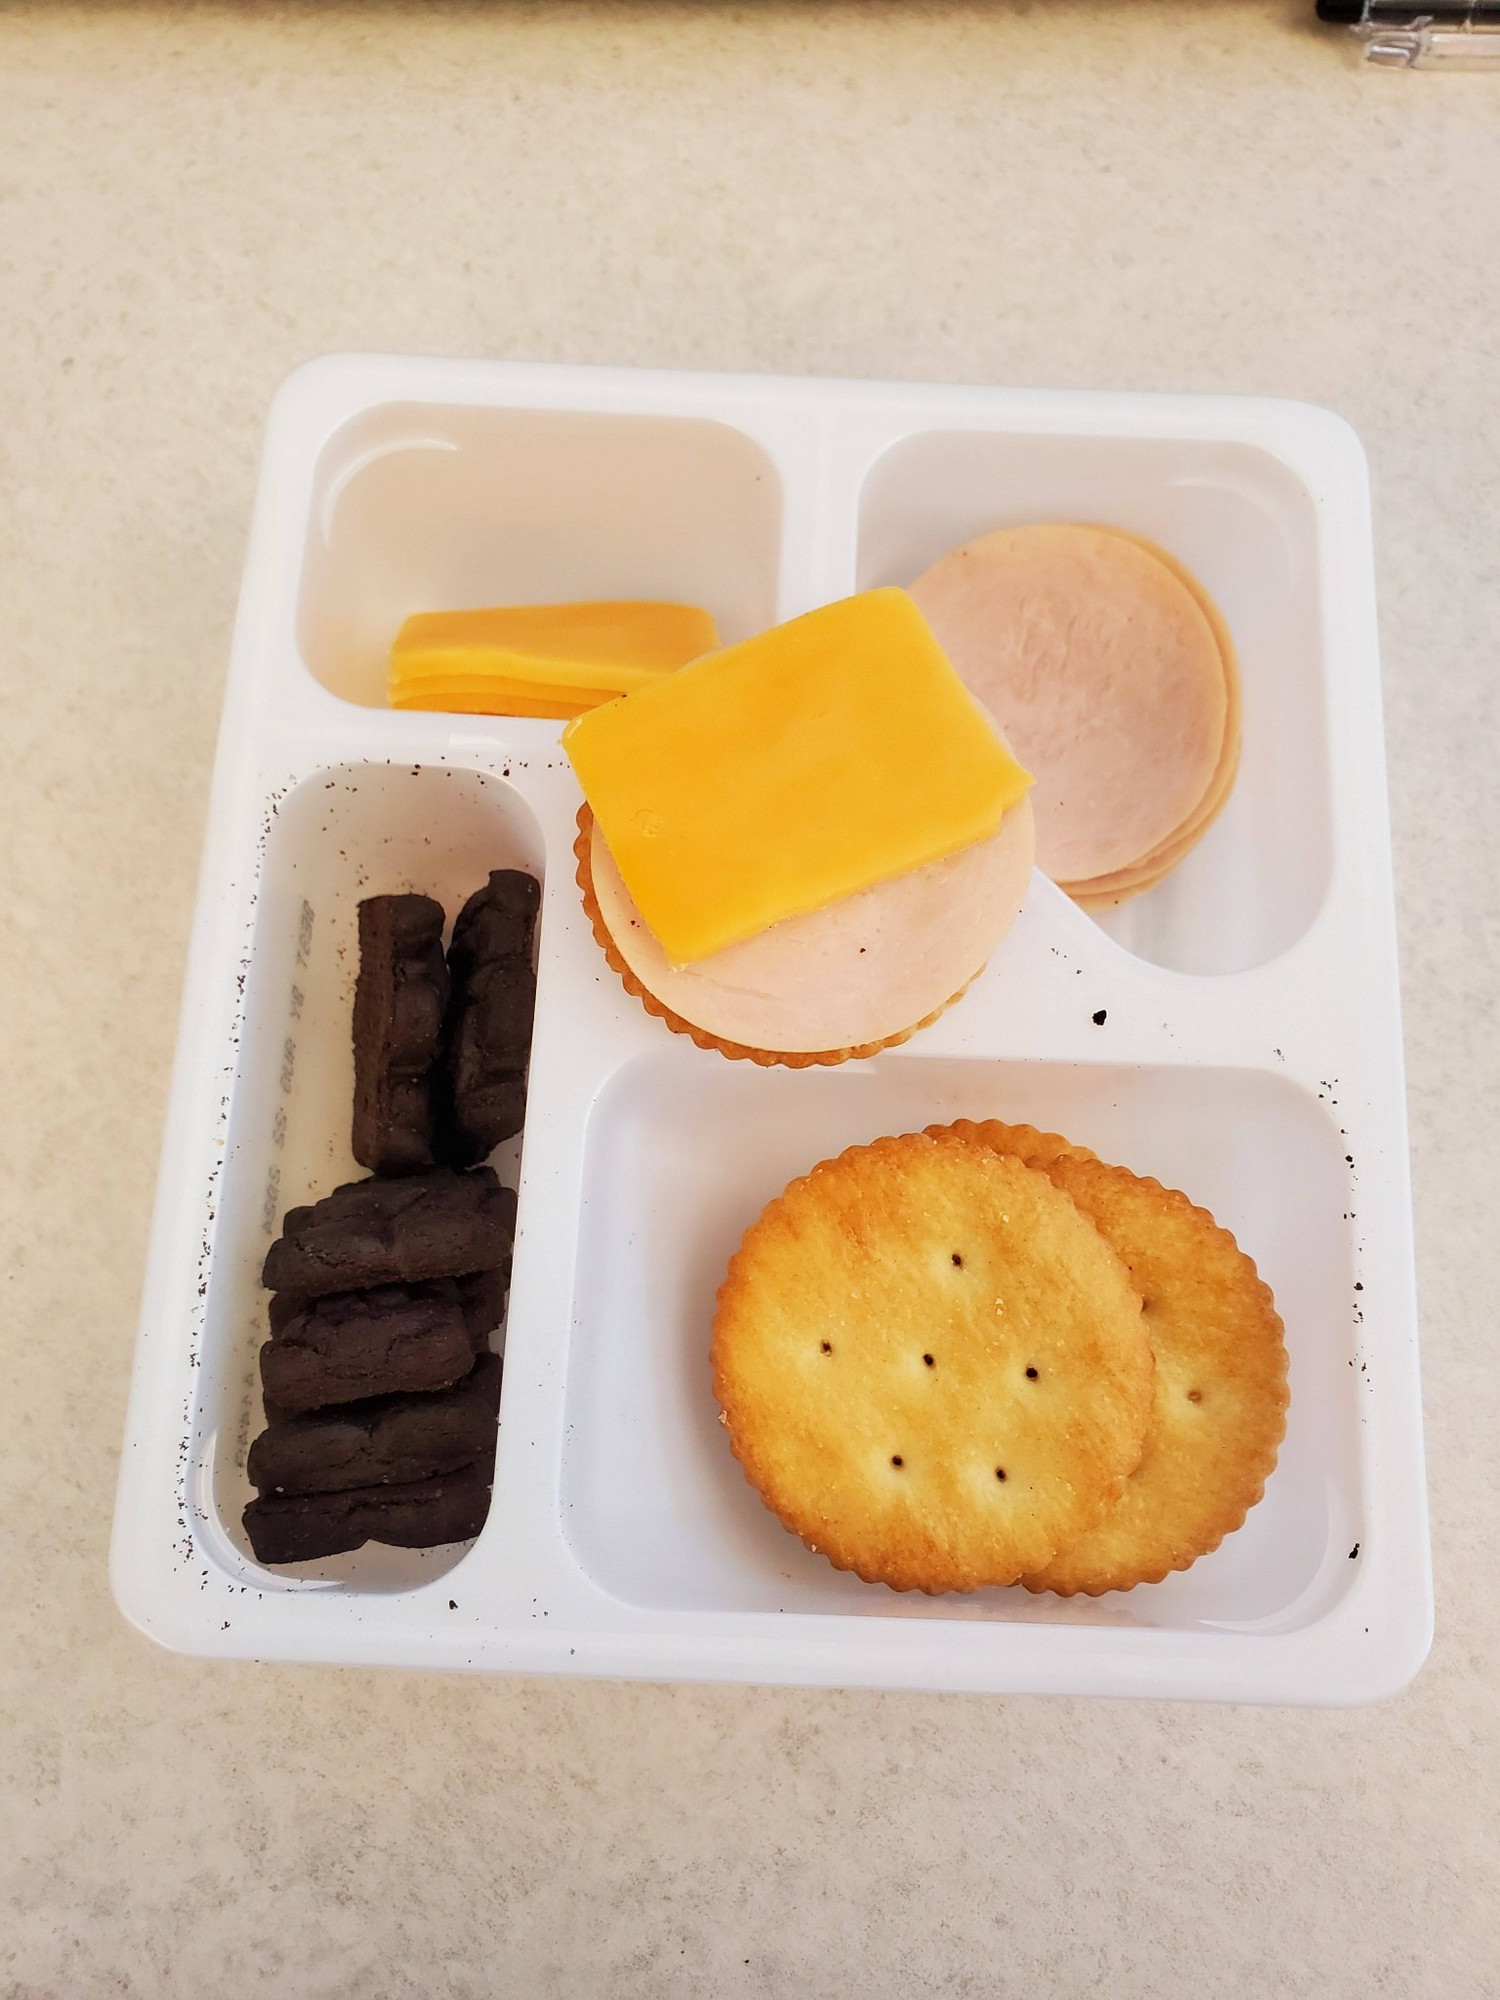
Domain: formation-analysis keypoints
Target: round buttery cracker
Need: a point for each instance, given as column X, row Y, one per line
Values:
column 931, row 1366
column 1026, row 1143
column 1221, row 1386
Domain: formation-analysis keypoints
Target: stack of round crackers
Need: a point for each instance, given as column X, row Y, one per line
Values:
column 1113, row 675
column 979, row 1355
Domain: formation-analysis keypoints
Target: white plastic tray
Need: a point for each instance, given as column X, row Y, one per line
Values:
column 1249, row 1050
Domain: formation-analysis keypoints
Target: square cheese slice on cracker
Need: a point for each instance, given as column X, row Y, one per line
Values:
column 782, row 774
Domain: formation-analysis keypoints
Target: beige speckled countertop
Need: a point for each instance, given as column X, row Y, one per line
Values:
column 1210, row 195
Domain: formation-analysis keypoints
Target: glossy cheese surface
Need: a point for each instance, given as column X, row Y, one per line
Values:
column 784, row 773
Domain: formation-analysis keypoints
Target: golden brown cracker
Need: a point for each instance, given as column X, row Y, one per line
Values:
column 1027, row 1143
column 931, row 1365
column 1221, row 1386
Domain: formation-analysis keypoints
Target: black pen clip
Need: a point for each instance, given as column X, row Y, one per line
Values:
column 1446, row 34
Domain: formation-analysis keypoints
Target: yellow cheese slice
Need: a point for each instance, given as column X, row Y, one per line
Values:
column 494, row 668
column 500, row 697
column 575, row 654
column 782, row 774
column 493, row 694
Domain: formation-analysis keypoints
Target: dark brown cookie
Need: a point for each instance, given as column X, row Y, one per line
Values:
column 393, row 1439
column 348, row 1346
column 354, row 1345
column 489, row 1016
column 481, row 1295
column 378, row 1232
column 400, row 1003
column 420, row 1514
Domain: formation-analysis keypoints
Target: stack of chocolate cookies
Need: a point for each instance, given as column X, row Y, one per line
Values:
column 381, row 1392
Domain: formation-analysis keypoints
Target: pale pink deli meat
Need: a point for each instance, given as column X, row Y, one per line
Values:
column 1103, row 672
column 862, row 970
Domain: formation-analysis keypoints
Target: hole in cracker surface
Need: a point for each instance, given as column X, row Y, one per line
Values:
column 898, row 1460
column 1000, row 1472
column 958, row 1260
column 828, row 1347
column 1031, row 1374
column 1195, row 1395
column 929, row 1360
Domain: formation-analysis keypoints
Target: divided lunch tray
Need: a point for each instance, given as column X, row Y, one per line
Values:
column 1235, row 1032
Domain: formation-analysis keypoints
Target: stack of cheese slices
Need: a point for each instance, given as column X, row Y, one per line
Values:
column 550, row 660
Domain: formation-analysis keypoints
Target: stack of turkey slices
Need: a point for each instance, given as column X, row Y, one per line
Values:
column 1113, row 675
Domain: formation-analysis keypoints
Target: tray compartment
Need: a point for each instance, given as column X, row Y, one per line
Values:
column 344, row 833
column 425, row 507
column 682, row 1155
column 1244, row 523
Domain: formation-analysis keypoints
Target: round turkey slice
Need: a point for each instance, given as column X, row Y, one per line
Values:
column 871, row 966
column 1102, row 670
column 1159, row 863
